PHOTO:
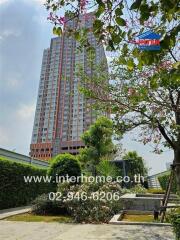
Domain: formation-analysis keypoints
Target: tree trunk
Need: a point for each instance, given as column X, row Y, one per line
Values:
column 177, row 169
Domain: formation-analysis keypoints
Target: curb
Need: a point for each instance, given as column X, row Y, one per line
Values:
column 115, row 221
column 5, row 213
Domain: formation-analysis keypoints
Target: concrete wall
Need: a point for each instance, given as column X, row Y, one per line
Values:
column 132, row 202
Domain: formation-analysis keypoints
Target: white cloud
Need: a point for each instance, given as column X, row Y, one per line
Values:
column 26, row 111
column 40, row 19
column 16, row 129
column 9, row 32
column 4, row 1
column 40, row 2
column 4, row 137
column 13, row 83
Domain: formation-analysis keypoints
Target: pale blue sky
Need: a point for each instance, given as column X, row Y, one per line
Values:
column 24, row 34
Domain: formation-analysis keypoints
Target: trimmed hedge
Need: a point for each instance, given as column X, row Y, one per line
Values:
column 64, row 164
column 14, row 191
column 164, row 182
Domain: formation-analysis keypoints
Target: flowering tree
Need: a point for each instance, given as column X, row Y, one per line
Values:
column 147, row 99
column 144, row 91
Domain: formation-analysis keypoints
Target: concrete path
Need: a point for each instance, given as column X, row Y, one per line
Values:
column 13, row 211
column 55, row 231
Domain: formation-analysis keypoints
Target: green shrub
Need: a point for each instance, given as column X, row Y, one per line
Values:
column 43, row 205
column 164, row 179
column 14, row 191
column 138, row 189
column 174, row 218
column 91, row 209
column 107, row 168
column 64, row 164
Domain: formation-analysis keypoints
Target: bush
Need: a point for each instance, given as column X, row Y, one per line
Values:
column 14, row 191
column 107, row 168
column 174, row 218
column 164, row 179
column 64, row 164
column 43, row 205
column 136, row 189
column 82, row 210
column 91, row 209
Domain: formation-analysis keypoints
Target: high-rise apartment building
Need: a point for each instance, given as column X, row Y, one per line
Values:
column 62, row 113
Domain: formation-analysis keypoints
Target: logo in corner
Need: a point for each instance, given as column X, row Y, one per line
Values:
column 148, row 41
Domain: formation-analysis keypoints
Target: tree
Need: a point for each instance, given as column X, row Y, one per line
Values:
column 118, row 21
column 145, row 93
column 99, row 145
column 136, row 164
column 64, row 164
column 146, row 100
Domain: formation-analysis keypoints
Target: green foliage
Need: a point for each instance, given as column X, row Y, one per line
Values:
column 136, row 164
column 57, row 31
column 43, row 205
column 99, row 135
column 98, row 141
column 136, row 4
column 120, row 21
column 91, row 210
column 145, row 91
column 14, row 191
column 164, row 179
column 64, row 164
column 112, row 19
column 107, row 168
column 174, row 218
column 30, row 217
column 138, row 189
column 133, row 98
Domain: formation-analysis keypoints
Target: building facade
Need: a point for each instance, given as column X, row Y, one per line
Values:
column 62, row 113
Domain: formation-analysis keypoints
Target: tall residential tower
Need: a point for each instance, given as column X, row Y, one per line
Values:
column 62, row 113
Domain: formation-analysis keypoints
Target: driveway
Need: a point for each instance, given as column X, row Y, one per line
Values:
column 56, row 231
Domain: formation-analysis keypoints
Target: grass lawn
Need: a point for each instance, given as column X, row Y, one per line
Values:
column 29, row 217
column 138, row 218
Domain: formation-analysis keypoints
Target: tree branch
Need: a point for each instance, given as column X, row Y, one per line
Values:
column 163, row 132
column 178, row 101
column 172, row 55
column 172, row 99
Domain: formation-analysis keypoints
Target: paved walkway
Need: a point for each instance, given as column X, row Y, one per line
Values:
column 55, row 231
column 13, row 211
